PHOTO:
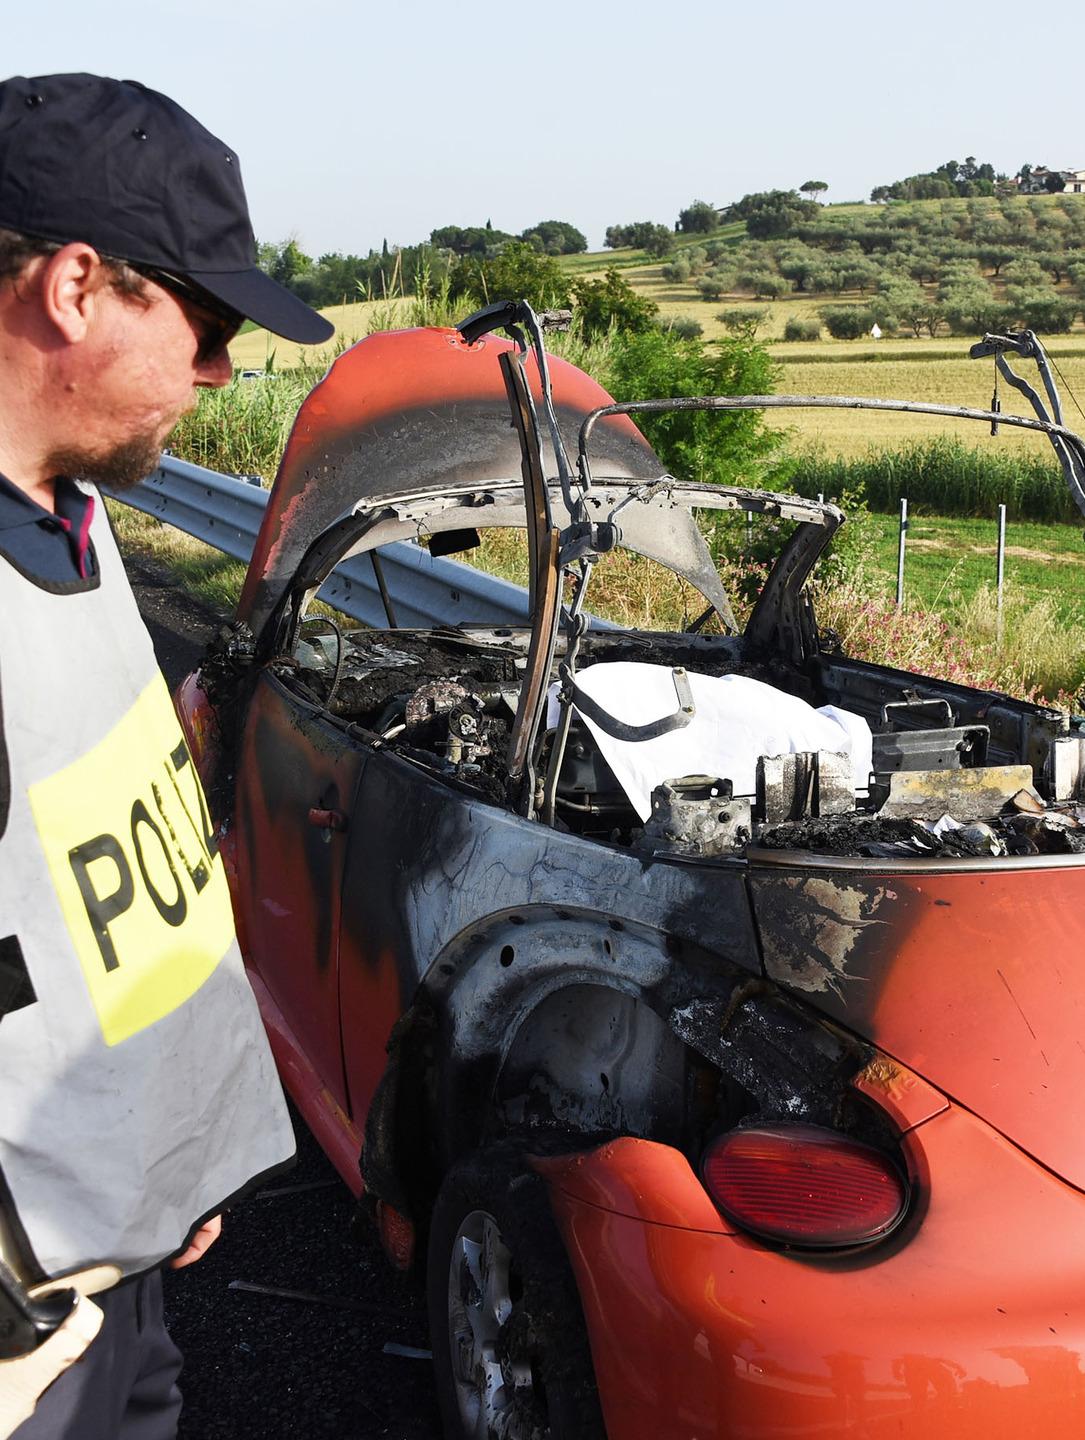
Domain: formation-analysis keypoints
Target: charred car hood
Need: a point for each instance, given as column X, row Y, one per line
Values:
column 405, row 412
column 973, row 977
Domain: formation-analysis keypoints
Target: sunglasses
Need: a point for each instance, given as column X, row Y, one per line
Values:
column 217, row 322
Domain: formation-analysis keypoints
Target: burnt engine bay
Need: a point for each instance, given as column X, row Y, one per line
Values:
column 954, row 772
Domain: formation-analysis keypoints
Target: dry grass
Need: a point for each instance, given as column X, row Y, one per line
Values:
column 943, row 382
column 1036, row 651
column 259, row 349
column 624, row 588
column 202, row 570
column 1036, row 657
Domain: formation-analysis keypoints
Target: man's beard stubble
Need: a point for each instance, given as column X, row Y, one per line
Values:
column 119, row 468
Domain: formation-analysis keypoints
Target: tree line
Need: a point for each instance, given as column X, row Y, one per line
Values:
column 451, row 257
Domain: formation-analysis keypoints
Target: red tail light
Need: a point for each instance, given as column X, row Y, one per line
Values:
column 805, row 1186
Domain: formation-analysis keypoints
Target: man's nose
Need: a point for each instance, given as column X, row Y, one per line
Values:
column 216, row 371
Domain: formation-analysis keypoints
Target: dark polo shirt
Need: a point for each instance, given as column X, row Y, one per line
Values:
column 51, row 549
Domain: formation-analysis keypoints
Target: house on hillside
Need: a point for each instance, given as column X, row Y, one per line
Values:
column 1042, row 181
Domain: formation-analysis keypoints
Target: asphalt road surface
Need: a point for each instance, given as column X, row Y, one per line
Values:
column 310, row 1365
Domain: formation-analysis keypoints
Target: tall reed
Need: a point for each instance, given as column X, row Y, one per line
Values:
column 944, row 476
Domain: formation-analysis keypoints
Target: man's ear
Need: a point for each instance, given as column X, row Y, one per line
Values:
column 71, row 284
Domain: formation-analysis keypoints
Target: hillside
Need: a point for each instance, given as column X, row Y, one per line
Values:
column 944, row 265
column 931, row 266
column 936, row 266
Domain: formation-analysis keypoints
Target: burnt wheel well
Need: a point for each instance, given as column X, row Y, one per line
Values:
column 573, row 1043
column 593, row 1060
column 587, row 1062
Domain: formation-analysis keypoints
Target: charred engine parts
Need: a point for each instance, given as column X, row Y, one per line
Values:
column 436, row 698
column 1025, row 827
column 910, row 738
column 954, row 748
column 967, row 795
column 1057, row 832
column 467, row 733
column 933, row 792
column 697, row 815
column 227, row 658
column 467, row 728
column 806, row 782
column 1067, row 768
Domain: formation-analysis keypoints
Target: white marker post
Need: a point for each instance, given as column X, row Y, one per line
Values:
column 1001, row 566
column 900, row 552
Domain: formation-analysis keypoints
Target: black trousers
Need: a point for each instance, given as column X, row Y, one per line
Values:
column 125, row 1386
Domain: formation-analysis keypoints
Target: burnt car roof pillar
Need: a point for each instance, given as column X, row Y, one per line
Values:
column 1066, row 446
column 543, row 546
column 1026, row 344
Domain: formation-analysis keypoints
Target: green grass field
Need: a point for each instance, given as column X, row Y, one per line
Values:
column 947, row 558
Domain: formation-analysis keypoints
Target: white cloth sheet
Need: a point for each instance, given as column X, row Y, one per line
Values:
column 736, row 721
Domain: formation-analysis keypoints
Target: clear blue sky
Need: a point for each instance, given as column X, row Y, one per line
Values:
column 358, row 122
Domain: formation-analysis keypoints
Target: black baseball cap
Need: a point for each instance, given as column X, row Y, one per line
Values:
column 125, row 169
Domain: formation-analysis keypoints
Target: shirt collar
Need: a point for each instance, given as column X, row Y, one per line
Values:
column 74, row 511
column 18, row 508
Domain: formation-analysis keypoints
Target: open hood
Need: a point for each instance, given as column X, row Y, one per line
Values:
column 412, row 411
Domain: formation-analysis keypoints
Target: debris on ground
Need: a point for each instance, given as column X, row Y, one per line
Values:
column 406, row 1352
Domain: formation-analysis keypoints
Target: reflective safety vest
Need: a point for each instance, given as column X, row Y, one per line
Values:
column 137, row 1090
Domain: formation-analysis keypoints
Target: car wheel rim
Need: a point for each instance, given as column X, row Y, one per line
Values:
column 491, row 1337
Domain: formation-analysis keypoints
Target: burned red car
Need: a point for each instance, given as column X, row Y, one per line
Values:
column 701, row 1012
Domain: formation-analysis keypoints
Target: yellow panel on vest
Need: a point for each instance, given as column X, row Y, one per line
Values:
column 126, row 835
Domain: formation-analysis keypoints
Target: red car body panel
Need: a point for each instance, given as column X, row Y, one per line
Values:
column 970, row 1325
column 302, row 1072
column 289, row 892
column 970, row 976
column 337, row 1135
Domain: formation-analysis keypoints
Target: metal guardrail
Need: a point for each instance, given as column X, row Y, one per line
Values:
column 425, row 590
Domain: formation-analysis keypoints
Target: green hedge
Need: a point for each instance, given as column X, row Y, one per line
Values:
column 943, row 476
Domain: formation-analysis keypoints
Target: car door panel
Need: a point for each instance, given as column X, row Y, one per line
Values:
column 298, row 774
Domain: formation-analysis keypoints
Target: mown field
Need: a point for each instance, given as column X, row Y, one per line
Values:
column 938, row 371
column 932, row 377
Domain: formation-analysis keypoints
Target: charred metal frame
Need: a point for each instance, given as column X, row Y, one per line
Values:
column 1067, row 445
column 543, row 542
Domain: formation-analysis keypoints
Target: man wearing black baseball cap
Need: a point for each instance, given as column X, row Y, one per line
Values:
column 137, row 1092
column 127, row 170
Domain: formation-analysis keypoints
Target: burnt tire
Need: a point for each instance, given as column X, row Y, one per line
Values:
column 510, row 1347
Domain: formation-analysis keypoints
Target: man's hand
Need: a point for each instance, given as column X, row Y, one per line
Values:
column 201, row 1242
column 23, row 1380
